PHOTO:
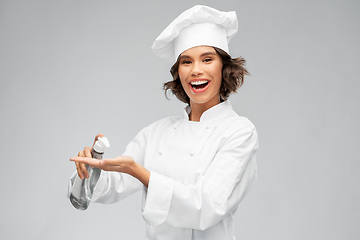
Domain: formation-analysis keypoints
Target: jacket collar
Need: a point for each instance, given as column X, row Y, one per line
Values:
column 216, row 112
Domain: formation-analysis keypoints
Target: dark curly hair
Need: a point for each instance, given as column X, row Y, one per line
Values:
column 233, row 73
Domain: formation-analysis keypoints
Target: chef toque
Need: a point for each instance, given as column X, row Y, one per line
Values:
column 197, row 26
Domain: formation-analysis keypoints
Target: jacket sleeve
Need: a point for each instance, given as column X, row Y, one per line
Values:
column 114, row 186
column 216, row 193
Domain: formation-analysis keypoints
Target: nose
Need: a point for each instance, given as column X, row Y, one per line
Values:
column 197, row 69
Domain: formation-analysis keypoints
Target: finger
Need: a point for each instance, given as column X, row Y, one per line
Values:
column 78, row 169
column 118, row 161
column 90, row 161
column 82, row 166
column 87, row 152
column 96, row 138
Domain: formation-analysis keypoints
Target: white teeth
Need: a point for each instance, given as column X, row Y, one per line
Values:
column 199, row 82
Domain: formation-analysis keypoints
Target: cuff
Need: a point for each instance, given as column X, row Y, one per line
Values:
column 158, row 199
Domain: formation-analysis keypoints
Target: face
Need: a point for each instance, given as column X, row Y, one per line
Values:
column 200, row 73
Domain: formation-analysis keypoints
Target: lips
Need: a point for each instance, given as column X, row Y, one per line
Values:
column 200, row 85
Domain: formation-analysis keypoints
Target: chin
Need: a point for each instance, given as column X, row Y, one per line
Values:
column 205, row 100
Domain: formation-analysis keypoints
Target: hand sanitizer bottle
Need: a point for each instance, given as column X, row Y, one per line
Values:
column 82, row 190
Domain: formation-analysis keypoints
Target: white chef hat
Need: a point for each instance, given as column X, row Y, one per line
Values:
column 197, row 26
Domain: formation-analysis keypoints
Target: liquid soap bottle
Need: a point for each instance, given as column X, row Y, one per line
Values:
column 82, row 190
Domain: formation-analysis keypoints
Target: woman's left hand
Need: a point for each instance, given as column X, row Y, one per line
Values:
column 124, row 164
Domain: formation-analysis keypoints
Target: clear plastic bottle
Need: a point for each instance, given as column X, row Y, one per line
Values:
column 82, row 190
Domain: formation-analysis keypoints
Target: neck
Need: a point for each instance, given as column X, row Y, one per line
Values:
column 197, row 109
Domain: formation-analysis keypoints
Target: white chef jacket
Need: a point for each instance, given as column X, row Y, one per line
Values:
column 199, row 173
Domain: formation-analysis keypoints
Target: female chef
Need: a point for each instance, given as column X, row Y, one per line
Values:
column 193, row 170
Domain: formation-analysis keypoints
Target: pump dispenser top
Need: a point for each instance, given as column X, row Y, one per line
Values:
column 101, row 144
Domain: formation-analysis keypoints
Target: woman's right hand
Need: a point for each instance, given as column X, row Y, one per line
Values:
column 81, row 167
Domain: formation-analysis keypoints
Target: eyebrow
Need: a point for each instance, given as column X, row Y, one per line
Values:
column 202, row 55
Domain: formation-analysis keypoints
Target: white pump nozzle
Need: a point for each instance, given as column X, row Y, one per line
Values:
column 101, row 144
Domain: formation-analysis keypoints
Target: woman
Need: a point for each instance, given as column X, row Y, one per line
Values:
column 193, row 170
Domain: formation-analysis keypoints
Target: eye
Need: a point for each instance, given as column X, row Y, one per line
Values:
column 185, row 62
column 207, row 59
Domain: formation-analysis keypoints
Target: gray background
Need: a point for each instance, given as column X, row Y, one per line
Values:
column 72, row 68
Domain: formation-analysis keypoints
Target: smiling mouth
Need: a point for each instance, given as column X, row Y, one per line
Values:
column 199, row 84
